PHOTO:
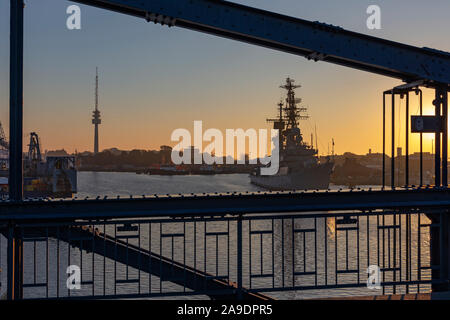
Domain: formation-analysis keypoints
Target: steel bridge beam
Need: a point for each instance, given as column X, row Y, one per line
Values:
column 313, row 40
column 15, row 244
column 433, row 198
column 16, row 100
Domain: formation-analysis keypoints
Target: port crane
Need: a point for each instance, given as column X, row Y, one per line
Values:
column 34, row 151
column 3, row 142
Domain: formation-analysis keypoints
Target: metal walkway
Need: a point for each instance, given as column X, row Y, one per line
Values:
column 236, row 203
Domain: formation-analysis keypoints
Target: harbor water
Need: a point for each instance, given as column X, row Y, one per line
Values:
column 93, row 184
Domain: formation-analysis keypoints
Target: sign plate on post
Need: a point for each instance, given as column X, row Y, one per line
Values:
column 426, row 124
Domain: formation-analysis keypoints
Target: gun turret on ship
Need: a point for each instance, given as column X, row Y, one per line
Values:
column 299, row 166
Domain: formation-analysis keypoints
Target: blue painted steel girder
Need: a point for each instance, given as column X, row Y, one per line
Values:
column 217, row 204
column 313, row 40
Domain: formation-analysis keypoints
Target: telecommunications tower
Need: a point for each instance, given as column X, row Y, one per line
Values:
column 96, row 114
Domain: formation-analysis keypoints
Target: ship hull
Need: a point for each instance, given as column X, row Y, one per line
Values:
column 57, row 186
column 312, row 178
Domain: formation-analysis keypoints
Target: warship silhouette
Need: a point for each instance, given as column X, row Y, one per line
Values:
column 299, row 165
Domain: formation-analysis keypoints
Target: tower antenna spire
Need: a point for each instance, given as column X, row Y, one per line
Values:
column 96, row 114
column 96, row 88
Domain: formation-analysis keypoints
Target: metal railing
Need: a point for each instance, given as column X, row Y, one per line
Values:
column 284, row 256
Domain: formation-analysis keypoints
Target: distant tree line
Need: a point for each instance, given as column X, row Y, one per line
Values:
column 136, row 158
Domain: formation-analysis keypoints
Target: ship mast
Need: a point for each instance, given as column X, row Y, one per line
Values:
column 280, row 118
column 292, row 110
column 289, row 115
column 279, row 123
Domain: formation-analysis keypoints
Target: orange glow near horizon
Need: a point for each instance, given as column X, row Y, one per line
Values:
column 152, row 127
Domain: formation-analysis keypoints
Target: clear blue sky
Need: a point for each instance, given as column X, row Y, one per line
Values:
column 154, row 79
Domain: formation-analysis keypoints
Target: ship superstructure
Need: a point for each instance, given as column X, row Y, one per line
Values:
column 299, row 164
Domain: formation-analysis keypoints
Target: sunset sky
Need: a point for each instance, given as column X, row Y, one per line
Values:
column 154, row 79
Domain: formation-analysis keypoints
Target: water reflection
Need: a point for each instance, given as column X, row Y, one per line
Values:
column 289, row 252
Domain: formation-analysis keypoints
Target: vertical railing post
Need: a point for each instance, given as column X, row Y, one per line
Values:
column 439, row 255
column 421, row 139
column 16, row 100
column 444, row 102
column 440, row 235
column 446, row 253
column 446, row 224
column 393, row 142
column 10, row 266
column 239, row 258
column 437, row 141
column 383, row 178
column 441, row 247
column 435, row 251
column 15, row 264
column 15, row 246
column 407, row 141
column 443, row 259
